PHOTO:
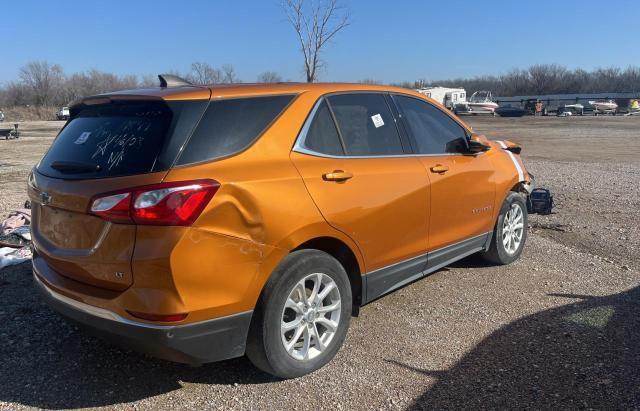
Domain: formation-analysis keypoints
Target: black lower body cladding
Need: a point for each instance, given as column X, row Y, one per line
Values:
column 207, row 341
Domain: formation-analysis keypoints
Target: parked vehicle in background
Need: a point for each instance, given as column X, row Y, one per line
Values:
column 533, row 105
column 63, row 113
column 202, row 223
column 480, row 102
column 511, row 111
column 634, row 107
column 448, row 97
column 546, row 107
column 9, row 133
column 575, row 109
column 604, row 107
column 1, row 116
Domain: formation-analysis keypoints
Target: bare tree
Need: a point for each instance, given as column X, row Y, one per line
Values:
column 315, row 25
column 514, row 81
column 43, row 79
column 269, row 77
column 204, row 73
column 93, row 82
column 546, row 78
column 370, row 81
column 14, row 94
column 148, row 81
column 229, row 74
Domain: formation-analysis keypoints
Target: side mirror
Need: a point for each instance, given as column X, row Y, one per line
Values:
column 476, row 147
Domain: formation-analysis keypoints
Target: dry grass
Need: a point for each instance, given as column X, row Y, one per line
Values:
column 30, row 113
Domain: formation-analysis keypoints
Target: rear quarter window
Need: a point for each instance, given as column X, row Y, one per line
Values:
column 231, row 125
column 322, row 136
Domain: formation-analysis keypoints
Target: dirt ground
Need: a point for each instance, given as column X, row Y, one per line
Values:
column 559, row 328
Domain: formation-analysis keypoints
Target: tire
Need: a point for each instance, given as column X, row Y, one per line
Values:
column 499, row 253
column 266, row 340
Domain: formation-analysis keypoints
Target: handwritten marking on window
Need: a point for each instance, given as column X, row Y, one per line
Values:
column 116, row 142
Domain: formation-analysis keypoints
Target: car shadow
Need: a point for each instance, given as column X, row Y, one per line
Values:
column 585, row 354
column 49, row 363
column 582, row 355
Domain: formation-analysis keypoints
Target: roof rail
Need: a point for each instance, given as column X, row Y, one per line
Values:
column 169, row 80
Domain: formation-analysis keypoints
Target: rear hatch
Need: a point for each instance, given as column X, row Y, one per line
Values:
column 109, row 144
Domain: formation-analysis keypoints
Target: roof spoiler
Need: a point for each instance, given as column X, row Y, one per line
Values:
column 169, row 80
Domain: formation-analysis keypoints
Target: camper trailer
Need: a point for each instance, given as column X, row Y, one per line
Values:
column 448, row 97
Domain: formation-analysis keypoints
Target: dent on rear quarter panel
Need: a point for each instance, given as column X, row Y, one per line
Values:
column 236, row 213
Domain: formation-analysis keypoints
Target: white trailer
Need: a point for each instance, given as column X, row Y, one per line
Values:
column 448, row 97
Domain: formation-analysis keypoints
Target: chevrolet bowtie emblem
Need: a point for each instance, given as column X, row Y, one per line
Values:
column 45, row 198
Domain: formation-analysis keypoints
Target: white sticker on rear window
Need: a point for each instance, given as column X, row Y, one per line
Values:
column 377, row 120
column 83, row 137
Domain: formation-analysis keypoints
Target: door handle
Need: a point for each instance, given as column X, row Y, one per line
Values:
column 439, row 168
column 337, row 175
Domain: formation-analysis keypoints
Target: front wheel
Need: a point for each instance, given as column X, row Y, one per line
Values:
column 302, row 316
column 510, row 232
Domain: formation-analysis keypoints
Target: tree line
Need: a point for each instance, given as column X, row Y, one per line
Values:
column 41, row 83
column 546, row 79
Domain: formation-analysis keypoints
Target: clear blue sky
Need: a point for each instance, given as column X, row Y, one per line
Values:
column 387, row 40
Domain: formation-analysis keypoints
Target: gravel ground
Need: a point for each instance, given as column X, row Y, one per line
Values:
column 559, row 328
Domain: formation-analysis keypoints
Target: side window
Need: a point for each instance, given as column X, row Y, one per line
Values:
column 434, row 131
column 322, row 136
column 229, row 126
column 366, row 124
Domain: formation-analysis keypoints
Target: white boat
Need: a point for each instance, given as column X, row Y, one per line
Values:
column 576, row 108
column 479, row 102
column 608, row 106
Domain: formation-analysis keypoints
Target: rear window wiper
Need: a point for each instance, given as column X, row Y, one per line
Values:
column 74, row 167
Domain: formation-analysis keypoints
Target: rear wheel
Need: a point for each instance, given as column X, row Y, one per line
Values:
column 510, row 232
column 302, row 316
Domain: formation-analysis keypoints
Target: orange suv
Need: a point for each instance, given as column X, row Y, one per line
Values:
column 204, row 223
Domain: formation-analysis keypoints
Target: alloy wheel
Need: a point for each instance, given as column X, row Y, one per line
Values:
column 513, row 229
column 310, row 316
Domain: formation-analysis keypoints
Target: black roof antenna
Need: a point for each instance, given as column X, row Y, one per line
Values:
column 169, row 80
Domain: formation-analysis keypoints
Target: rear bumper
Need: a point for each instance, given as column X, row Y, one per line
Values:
column 197, row 343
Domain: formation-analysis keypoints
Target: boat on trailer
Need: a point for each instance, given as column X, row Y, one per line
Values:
column 480, row 102
column 604, row 107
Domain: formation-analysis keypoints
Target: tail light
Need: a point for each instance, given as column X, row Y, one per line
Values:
column 175, row 203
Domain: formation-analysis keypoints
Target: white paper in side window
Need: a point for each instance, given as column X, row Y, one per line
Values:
column 377, row 120
column 83, row 137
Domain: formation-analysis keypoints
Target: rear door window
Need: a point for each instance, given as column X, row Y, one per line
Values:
column 434, row 132
column 123, row 137
column 231, row 125
column 366, row 124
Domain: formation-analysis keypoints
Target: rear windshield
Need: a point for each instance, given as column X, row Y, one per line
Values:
column 121, row 138
column 231, row 125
